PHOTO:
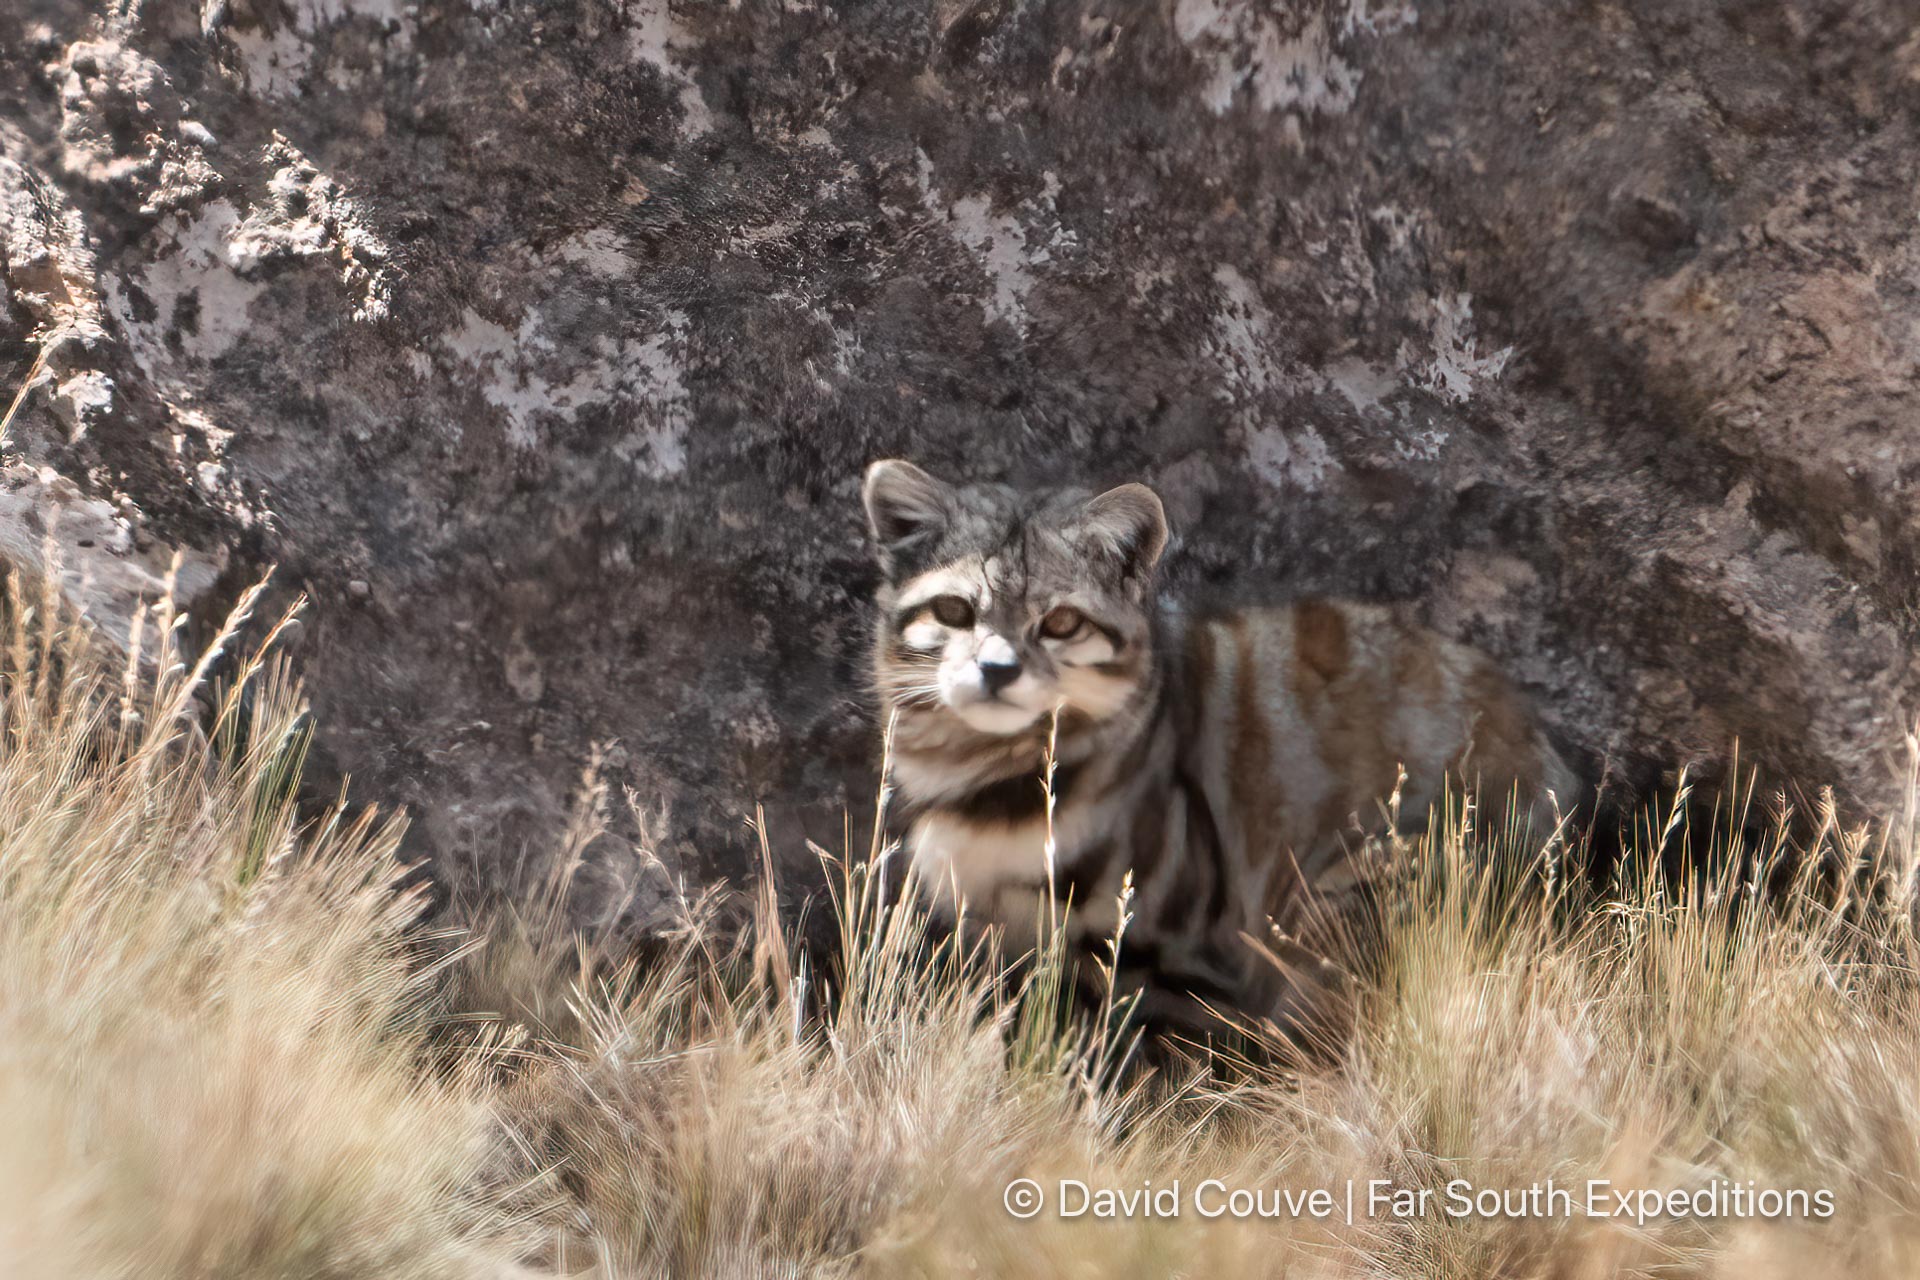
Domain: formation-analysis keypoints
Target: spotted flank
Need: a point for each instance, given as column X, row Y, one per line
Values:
column 1227, row 762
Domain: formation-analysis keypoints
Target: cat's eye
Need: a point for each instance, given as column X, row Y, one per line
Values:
column 1062, row 623
column 952, row 611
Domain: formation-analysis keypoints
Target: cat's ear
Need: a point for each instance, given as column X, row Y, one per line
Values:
column 904, row 504
column 1129, row 524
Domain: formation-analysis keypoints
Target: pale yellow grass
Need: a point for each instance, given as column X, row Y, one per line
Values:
column 227, row 1049
column 210, row 1035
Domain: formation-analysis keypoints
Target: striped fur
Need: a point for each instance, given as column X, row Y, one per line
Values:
column 1227, row 762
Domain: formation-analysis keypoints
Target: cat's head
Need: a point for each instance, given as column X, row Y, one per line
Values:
column 999, row 607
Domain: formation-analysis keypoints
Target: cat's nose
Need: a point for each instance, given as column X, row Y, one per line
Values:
column 997, row 675
column 999, row 664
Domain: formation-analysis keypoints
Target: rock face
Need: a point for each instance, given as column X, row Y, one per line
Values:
column 542, row 346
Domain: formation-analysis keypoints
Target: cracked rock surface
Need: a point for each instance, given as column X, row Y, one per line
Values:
column 542, row 346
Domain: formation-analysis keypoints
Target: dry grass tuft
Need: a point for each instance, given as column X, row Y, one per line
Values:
column 210, row 1048
column 226, row 1050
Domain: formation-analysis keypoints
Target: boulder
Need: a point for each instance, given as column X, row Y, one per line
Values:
column 541, row 347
